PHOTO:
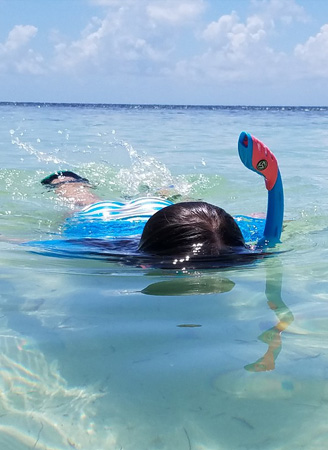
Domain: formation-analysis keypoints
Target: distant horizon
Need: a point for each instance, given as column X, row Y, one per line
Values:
column 145, row 105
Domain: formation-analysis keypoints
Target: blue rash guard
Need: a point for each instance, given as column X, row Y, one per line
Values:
column 110, row 220
column 117, row 227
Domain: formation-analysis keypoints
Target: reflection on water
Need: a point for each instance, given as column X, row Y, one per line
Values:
column 200, row 285
column 196, row 285
column 272, row 336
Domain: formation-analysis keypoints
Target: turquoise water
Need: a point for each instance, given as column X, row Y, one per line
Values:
column 100, row 355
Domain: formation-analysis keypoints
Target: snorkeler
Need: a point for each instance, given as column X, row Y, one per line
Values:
column 186, row 228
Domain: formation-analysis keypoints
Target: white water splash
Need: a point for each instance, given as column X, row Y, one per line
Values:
column 41, row 156
column 147, row 175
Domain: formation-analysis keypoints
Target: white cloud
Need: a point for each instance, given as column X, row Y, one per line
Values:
column 240, row 50
column 313, row 55
column 31, row 63
column 15, row 54
column 168, row 11
column 107, row 44
column 175, row 12
column 113, row 2
column 235, row 51
column 285, row 11
column 230, row 34
column 18, row 37
column 128, row 34
column 148, row 37
column 144, row 36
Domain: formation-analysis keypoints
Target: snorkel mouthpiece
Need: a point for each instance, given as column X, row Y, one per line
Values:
column 257, row 157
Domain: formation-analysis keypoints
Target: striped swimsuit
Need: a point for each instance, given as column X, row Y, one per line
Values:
column 107, row 219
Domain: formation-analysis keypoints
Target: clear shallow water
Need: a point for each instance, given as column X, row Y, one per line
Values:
column 99, row 355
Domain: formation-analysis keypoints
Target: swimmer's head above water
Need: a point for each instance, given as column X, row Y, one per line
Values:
column 191, row 228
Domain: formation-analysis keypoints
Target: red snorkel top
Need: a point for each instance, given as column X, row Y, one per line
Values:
column 260, row 159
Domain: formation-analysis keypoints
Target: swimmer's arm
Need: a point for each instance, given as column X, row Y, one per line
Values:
column 258, row 158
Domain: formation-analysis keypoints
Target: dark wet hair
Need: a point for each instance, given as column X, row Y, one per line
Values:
column 191, row 228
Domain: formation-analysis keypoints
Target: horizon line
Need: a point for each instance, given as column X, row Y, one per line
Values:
column 175, row 105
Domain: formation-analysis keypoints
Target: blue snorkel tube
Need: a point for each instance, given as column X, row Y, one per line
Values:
column 258, row 158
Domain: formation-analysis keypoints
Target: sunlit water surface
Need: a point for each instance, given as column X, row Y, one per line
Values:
column 99, row 355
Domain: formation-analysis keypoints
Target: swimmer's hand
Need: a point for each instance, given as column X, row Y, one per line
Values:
column 257, row 157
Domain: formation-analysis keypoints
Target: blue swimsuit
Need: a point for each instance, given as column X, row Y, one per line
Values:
column 111, row 231
column 115, row 228
column 110, row 220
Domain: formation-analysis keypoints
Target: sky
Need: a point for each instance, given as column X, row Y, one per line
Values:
column 201, row 52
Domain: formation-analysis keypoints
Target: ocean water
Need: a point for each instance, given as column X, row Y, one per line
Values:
column 97, row 354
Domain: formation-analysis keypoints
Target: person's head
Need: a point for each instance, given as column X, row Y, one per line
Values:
column 191, row 228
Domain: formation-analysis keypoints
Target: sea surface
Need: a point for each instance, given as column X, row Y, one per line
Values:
column 102, row 355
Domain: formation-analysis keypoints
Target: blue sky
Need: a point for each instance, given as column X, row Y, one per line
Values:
column 224, row 52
